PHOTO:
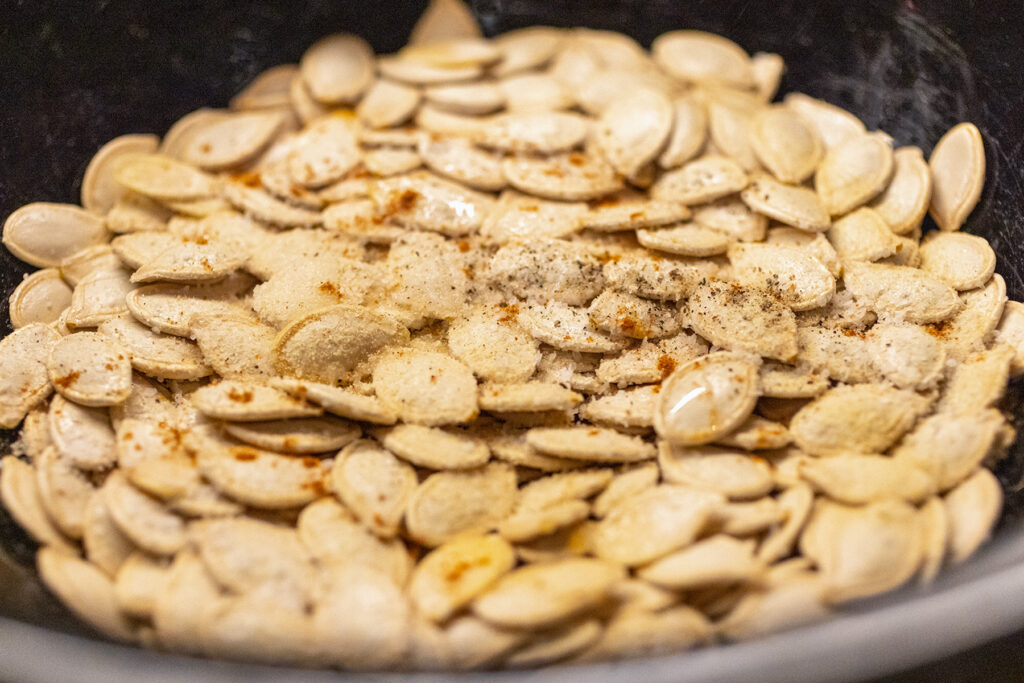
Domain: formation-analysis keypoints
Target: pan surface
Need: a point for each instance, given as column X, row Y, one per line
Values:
column 74, row 75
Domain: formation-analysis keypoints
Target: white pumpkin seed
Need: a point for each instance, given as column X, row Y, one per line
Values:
column 950, row 447
column 100, row 191
column 535, row 92
column 854, row 172
column 735, row 475
column 654, row 523
column 533, row 132
column 255, row 477
column 860, row 479
column 86, row 590
column 263, row 207
column 268, row 90
column 904, row 202
column 698, row 57
column 706, row 398
column 22, row 499
column 338, row 68
column 526, row 48
column 64, row 490
column 459, row 160
column 788, row 147
column 231, row 140
column 142, row 519
column 364, row 619
column 425, row 387
column 39, row 298
column 243, row 401
column 574, row 176
column 168, row 308
column 962, row 260
column 593, row 444
column 326, row 345
column 374, row 484
column 862, row 235
column 743, row 318
column 833, row 125
column 957, row 166
column 24, row 380
column 542, row 594
column 689, row 131
column 302, row 435
column 566, row 327
column 633, row 129
column 453, row 574
column 801, row 281
column 447, row 504
column 415, row 72
column 900, row 293
column 425, row 202
column 864, row 418
column 342, row 402
column 333, row 536
column 972, row 509
column 703, row 180
column 468, row 99
column 714, row 560
column 789, row 204
column 163, row 178
column 44, row 234
column 388, row 104
column 865, row 550
column 687, row 239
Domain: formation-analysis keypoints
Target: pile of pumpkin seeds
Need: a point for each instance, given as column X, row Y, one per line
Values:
column 500, row 353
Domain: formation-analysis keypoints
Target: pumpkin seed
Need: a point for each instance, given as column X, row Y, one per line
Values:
column 255, row 477
column 268, row 90
column 789, row 204
column 21, row 496
column 865, row 418
column 962, row 260
column 905, row 200
column 688, row 239
column 453, row 574
column 972, row 509
column 574, row 176
column 833, row 125
column 900, row 293
column 957, row 166
column 44, row 234
column 86, row 590
column 743, row 318
column 854, row 172
column 388, row 104
column 542, row 594
column 459, row 160
column 632, row 130
column 100, row 191
column 654, row 523
column 703, row 180
column 426, row 387
column 163, row 178
column 39, row 298
column 375, row 485
column 231, row 140
column 338, row 68
column 468, row 99
column 697, row 57
column 447, row 504
column 302, row 435
column 325, row 345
